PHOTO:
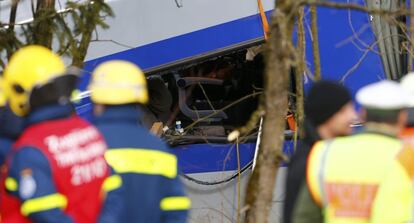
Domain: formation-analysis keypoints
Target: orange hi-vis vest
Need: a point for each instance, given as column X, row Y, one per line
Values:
column 362, row 178
column 407, row 135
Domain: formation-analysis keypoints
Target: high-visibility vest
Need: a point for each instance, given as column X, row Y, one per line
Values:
column 75, row 151
column 407, row 135
column 362, row 178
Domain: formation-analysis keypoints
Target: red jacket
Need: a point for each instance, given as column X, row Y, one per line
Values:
column 75, row 152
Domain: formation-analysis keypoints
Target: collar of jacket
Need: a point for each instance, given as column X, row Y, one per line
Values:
column 11, row 125
column 379, row 128
column 49, row 112
column 120, row 113
column 310, row 133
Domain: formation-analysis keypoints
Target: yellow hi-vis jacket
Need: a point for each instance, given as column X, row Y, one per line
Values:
column 362, row 178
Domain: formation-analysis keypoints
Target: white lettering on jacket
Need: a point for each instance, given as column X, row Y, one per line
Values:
column 82, row 150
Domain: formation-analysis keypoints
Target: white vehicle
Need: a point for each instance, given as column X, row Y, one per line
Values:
column 170, row 38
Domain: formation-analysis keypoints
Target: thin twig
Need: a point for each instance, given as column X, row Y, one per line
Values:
column 224, row 108
column 356, row 7
column 206, row 96
column 315, row 43
column 353, row 68
column 112, row 41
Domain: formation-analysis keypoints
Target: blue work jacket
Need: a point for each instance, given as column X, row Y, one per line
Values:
column 152, row 189
column 11, row 126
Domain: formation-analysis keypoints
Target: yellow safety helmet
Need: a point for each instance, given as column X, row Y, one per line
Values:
column 29, row 67
column 118, row 82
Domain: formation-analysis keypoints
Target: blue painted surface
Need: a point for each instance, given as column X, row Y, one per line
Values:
column 337, row 60
column 335, row 27
column 190, row 44
column 179, row 47
column 199, row 158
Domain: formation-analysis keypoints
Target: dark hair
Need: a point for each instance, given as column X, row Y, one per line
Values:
column 410, row 122
column 57, row 90
column 382, row 116
column 324, row 99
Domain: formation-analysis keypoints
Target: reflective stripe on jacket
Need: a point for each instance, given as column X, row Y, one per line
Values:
column 152, row 190
column 73, row 152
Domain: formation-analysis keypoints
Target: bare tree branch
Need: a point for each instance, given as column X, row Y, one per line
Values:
column 300, row 71
column 356, row 7
column 10, row 30
column 43, row 31
column 355, row 36
column 411, row 39
column 279, row 56
column 362, row 58
column 315, row 43
column 112, row 41
column 13, row 11
column 224, row 108
column 356, row 65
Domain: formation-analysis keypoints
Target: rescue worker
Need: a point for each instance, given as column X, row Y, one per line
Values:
column 57, row 169
column 407, row 82
column 152, row 188
column 159, row 105
column 329, row 112
column 366, row 177
column 10, row 127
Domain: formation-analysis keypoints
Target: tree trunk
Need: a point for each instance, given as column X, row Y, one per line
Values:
column 49, row 27
column 42, row 27
column 78, row 59
column 91, row 17
column 300, row 71
column 411, row 47
column 278, row 63
column 10, row 30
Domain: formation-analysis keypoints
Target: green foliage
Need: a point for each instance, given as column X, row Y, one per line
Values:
column 8, row 41
column 86, row 18
column 69, row 31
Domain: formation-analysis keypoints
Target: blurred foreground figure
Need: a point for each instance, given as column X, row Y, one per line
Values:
column 152, row 191
column 329, row 113
column 10, row 127
column 407, row 82
column 366, row 177
column 57, row 167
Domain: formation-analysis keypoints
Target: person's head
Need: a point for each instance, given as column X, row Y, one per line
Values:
column 3, row 101
column 329, row 109
column 118, row 82
column 385, row 103
column 161, row 100
column 36, row 77
column 407, row 83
